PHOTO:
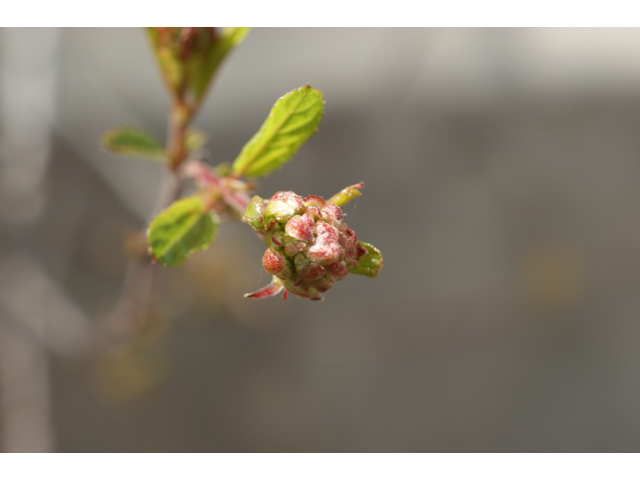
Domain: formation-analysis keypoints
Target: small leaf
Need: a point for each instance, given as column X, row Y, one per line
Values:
column 231, row 37
column 195, row 139
column 254, row 214
column 185, row 227
column 346, row 195
column 170, row 64
column 370, row 263
column 293, row 119
column 171, row 67
column 132, row 141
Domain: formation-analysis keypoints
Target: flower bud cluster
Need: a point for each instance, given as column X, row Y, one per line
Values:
column 308, row 245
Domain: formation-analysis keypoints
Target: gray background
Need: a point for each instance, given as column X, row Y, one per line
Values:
column 502, row 184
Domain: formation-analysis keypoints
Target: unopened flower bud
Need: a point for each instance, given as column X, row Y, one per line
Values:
column 309, row 247
column 331, row 214
column 272, row 263
column 281, row 207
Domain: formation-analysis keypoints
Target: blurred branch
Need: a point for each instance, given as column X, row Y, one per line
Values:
column 135, row 298
column 172, row 48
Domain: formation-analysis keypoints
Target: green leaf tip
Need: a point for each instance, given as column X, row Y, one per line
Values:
column 231, row 37
column 134, row 142
column 292, row 120
column 254, row 214
column 345, row 195
column 184, row 228
column 370, row 263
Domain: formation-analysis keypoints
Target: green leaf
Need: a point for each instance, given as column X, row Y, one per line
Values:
column 185, row 227
column 132, row 141
column 231, row 37
column 170, row 64
column 254, row 213
column 293, row 119
column 172, row 67
column 370, row 263
column 195, row 139
column 346, row 195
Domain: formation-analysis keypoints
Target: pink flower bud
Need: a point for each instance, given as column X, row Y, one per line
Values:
column 338, row 271
column 309, row 247
column 331, row 214
column 313, row 201
column 300, row 227
column 326, row 248
column 282, row 206
column 314, row 212
column 272, row 263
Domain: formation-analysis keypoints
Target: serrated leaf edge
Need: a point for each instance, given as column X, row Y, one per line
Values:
column 212, row 215
column 258, row 137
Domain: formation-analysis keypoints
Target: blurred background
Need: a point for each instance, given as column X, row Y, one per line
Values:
column 502, row 185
